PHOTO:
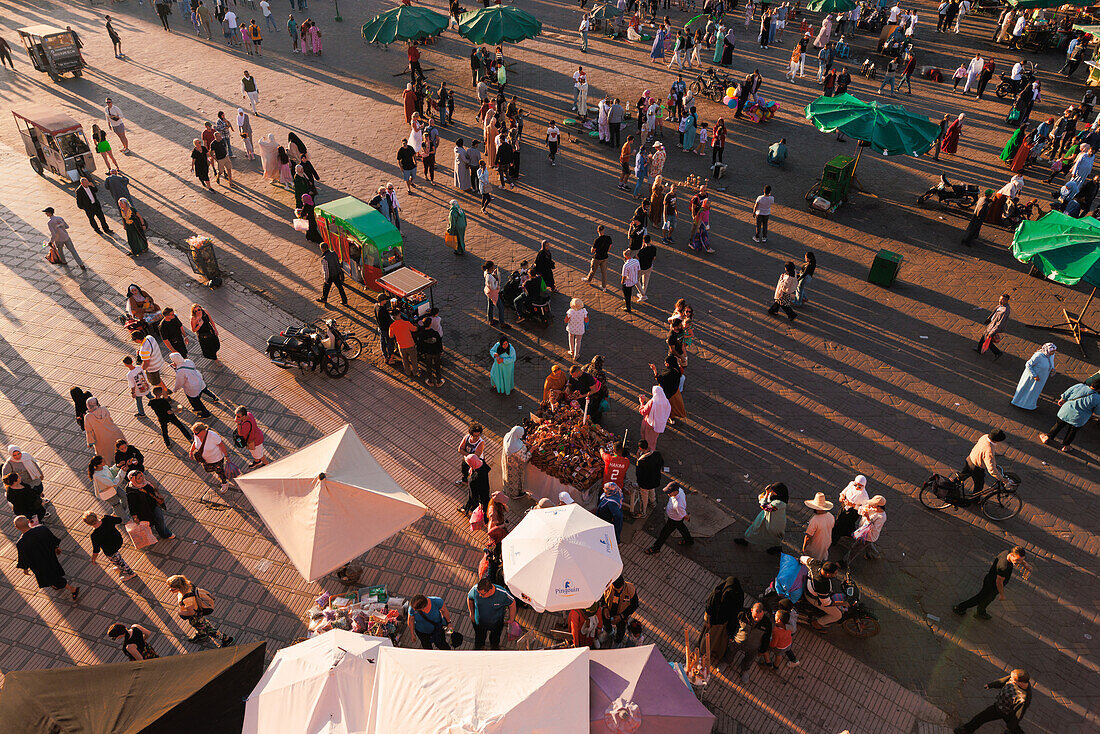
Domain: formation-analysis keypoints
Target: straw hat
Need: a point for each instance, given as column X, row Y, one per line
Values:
column 819, row 503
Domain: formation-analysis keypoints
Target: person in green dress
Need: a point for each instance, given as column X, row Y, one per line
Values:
column 503, row 371
column 456, row 225
column 770, row 523
column 719, row 38
column 1013, row 144
column 135, row 228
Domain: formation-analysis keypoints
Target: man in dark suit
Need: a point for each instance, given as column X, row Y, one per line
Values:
column 88, row 201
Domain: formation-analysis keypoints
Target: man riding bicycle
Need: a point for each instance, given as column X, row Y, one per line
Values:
column 982, row 459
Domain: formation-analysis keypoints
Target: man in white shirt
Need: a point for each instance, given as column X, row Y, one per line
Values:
column 149, row 356
column 585, row 25
column 116, row 123
column 631, row 270
column 1017, row 71
column 265, row 6
column 894, row 13
column 209, row 448
column 580, row 86
column 972, row 71
column 553, row 136
column 762, row 209
column 676, row 515
column 234, row 32
column 964, row 8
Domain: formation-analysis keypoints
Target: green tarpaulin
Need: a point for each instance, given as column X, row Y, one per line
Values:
column 404, row 23
column 498, row 24
column 181, row 694
column 830, row 6
column 889, row 128
column 1065, row 249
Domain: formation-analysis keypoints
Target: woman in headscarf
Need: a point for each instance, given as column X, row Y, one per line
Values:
column 1036, row 372
column 554, row 383
column 1023, row 103
column 491, row 131
column 100, row 429
column 655, row 413
column 770, row 523
column 462, row 166
column 950, row 142
column 244, row 129
column 719, row 41
column 416, row 133
column 315, row 39
column 657, row 51
column 669, row 380
column 206, row 331
column 513, row 460
column 852, row 498
column 725, row 602
column 21, row 463
column 309, row 214
column 690, row 123
column 728, row 43
column 135, row 227
column 105, row 484
column 1008, row 153
column 502, row 373
column 872, row 516
column 302, row 185
column 824, row 34
column 269, row 156
column 657, row 200
column 139, row 304
column 282, row 159
column 80, row 401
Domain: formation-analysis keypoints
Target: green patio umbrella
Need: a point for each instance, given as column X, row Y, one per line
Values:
column 605, row 11
column 890, row 129
column 1019, row 4
column 498, row 24
column 831, row 6
column 404, row 23
column 1065, row 250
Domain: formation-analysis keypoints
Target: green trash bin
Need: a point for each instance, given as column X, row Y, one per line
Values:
column 885, row 268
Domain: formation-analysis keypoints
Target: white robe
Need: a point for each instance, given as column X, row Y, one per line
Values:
column 972, row 72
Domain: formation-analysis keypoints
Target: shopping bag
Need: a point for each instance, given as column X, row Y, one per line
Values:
column 53, row 256
column 1013, row 115
column 141, row 535
column 514, row 630
column 477, row 519
column 301, row 225
column 232, row 471
column 451, row 240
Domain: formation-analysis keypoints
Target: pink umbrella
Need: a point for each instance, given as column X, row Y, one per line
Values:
column 634, row 689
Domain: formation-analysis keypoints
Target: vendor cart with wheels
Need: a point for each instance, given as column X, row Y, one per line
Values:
column 55, row 142
column 412, row 289
column 52, row 50
column 831, row 190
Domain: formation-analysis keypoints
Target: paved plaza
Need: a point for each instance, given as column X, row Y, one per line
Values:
column 868, row 380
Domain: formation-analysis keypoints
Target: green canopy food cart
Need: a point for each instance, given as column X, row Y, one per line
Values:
column 362, row 237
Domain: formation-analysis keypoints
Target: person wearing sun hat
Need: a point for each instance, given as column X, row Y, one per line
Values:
column 819, row 530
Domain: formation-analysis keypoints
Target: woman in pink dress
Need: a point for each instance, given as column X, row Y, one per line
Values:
column 315, row 39
column 285, row 176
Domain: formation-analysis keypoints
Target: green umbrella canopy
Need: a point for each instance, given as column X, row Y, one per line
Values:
column 830, row 6
column 404, row 23
column 889, row 128
column 1067, row 250
column 498, row 24
column 605, row 11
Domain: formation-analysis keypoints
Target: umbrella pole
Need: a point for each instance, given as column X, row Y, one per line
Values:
column 1075, row 322
column 859, row 152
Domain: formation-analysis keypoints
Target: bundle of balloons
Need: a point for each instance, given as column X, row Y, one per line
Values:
column 730, row 100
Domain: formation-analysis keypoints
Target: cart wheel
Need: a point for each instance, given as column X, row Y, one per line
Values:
column 335, row 365
column 54, row 77
column 351, row 347
column 36, row 165
column 813, row 191
column 78, row 73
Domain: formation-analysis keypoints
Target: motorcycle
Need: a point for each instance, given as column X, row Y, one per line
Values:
column 1015, row 212
column 857, row 619
column 307, row 347
column 346, row 341
column 965, row 195
column 1010, row 88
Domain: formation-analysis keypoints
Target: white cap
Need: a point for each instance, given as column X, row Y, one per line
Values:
column 565, row 498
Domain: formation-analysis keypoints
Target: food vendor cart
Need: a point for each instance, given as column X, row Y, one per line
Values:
column 54, row 141
column 565, row 454
column 362, row 237
column 412, row 289
column 52, row 50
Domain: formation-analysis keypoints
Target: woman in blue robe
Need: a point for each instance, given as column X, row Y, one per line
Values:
column 502, row 373
column 691, row 121
column 1034, row 378
column 658, row 51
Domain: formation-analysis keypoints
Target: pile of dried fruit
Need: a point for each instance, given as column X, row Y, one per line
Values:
column 565, row 446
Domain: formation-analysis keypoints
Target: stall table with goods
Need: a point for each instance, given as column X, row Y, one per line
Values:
column 369, row 611
column 565, row 453
column 412, row 289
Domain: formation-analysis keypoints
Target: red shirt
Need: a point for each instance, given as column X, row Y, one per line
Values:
column 414, row 53
column 208, row 136
column 614, row 469
column 402, row 331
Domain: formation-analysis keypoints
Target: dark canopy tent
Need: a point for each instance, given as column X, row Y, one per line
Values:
column 181, row 694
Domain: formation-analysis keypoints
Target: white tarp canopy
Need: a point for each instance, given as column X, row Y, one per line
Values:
column 329, row 502
column 320, row 686
column 560, row 558
column 480, row 692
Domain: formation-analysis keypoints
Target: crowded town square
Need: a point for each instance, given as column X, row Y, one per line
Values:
column 477, row 344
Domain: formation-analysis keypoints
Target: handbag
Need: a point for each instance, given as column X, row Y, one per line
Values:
column 232, row 471
column 141, row 535
column 477, row 519
column 53, row 255
column 451, row 240
column 1013, row 115
column 301, row 225
column 514, row 630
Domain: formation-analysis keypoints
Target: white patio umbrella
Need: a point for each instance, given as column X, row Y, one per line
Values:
column 561, row 558
column 329, row 502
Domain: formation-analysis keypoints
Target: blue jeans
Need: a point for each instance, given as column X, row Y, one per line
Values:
column 489, row 307
column 638, row 186
column 159, row 523
column 584, row 40
column 802, row 289
column 270, row 20
column 892, row 81
column 141, row 407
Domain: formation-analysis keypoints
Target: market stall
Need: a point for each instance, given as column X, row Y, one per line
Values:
column 362, row 237
column 412, row 289
column 565, row 452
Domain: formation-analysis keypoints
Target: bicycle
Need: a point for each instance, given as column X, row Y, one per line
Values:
column 712, row 84
column 999, row 502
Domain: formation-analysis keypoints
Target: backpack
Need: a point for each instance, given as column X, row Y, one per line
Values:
column 204, row 598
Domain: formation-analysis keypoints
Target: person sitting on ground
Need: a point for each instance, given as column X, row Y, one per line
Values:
column 777, row 152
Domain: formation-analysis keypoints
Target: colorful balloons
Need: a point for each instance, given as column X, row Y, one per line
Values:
column 726, row 99
column 731, row 91
column 732, row 104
